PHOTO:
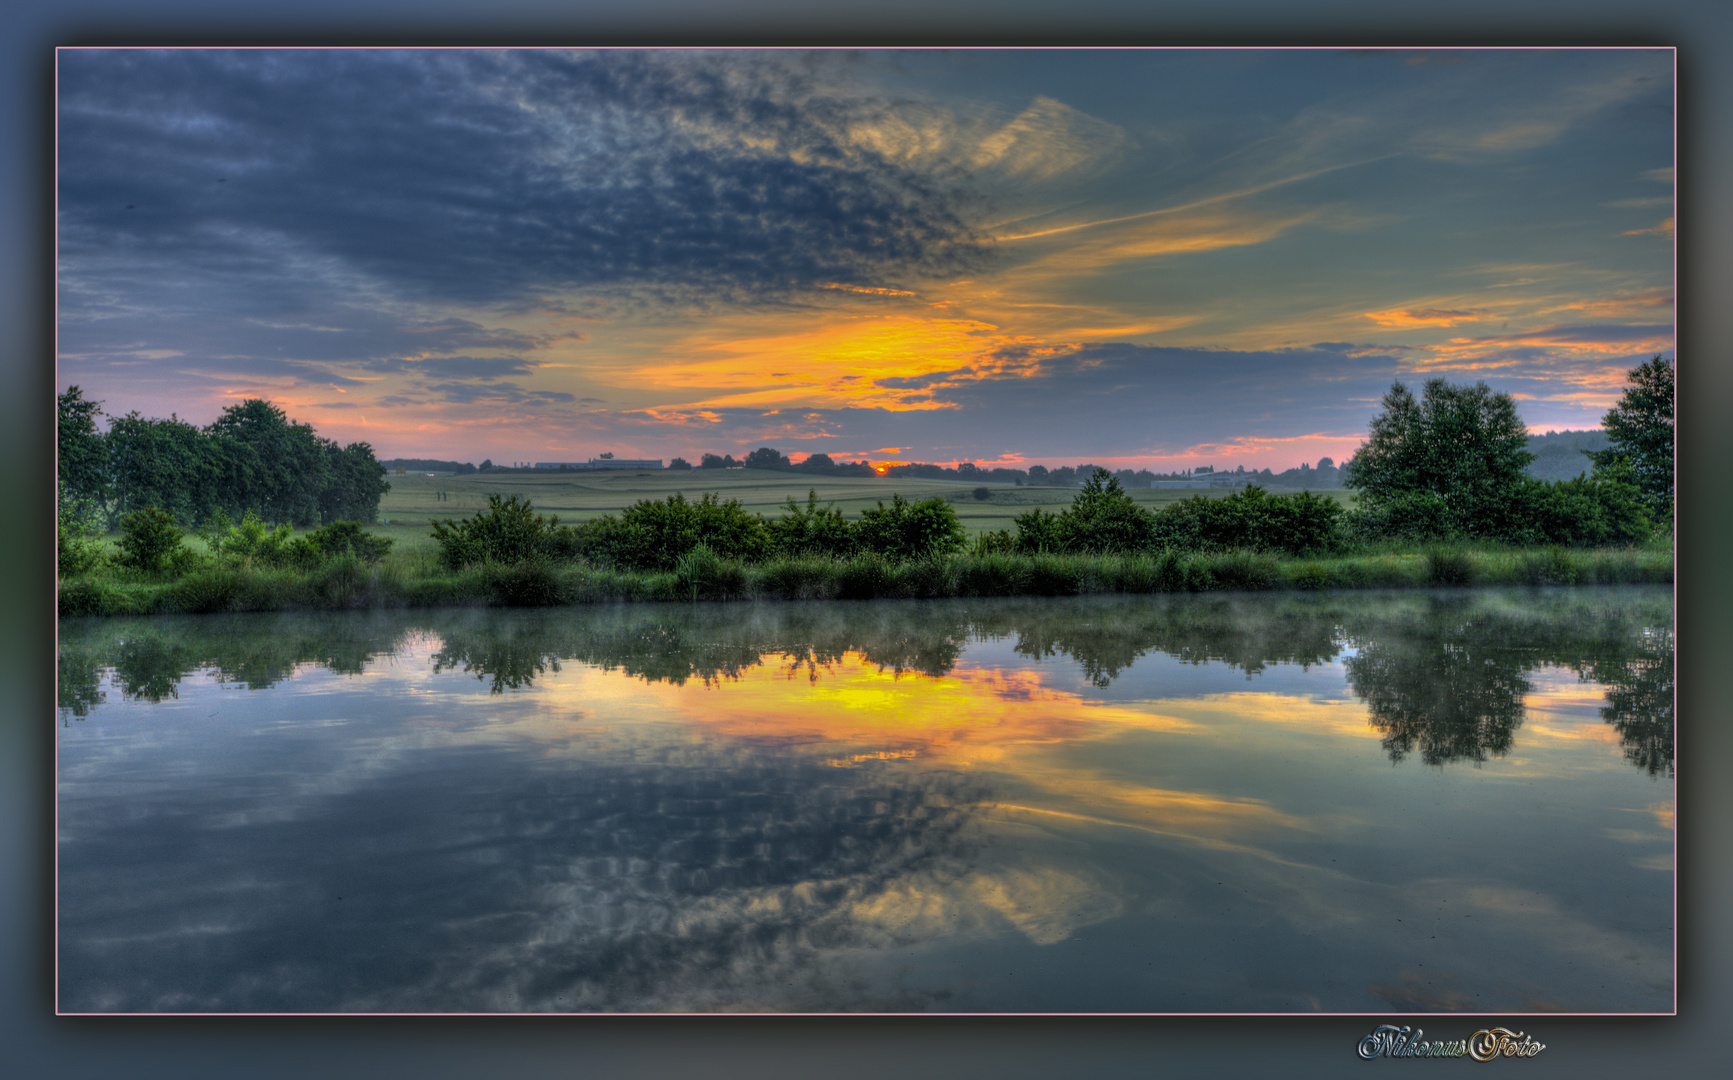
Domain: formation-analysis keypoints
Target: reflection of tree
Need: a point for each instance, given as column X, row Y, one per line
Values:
column 1111, row 634
column 1640, row 701
column 149, row 657
column 79, row 683
column 1450, row 700
column 1446, row 676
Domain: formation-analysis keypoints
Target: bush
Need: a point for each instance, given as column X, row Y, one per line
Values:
column 911, row 531
column 996, row 542
column 1103, row 519
column 660, row 532
column 1038, row 531
column 508, row 532
column 348, row 538
column 150, row 542
column 78, row 547
column 811, row 530
column 1590, row 511
column 1251, row 518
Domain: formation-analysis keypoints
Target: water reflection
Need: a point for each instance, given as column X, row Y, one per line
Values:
column 1443, row 675
column 1177, row 804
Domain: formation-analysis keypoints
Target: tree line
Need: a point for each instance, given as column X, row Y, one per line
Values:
column 1452, row 464
column 252, row 460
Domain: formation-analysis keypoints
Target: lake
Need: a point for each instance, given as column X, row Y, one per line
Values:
column 1444, row 801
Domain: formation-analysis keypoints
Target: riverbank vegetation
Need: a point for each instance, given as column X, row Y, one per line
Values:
column 1443, row 501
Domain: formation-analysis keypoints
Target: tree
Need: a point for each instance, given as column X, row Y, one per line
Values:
column 354, row 483
column 270, row 464
column 83, row 459
column 766, row 458
column 167, row 464
column 1640, row 431
column 1446, row 465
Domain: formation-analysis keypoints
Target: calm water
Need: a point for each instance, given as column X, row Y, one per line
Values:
column 1372, row 803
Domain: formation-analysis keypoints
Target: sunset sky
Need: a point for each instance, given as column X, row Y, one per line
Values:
column 1144, row 258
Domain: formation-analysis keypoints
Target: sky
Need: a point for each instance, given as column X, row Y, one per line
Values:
column 1142, row 258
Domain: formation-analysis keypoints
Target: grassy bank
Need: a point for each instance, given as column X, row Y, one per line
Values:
column 415, row 578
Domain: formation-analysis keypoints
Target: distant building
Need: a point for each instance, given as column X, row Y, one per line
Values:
column 603, row 463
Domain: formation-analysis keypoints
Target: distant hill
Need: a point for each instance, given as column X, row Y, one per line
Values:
column 1558, row 455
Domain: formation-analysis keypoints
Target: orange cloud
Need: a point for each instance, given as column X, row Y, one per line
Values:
column 1408, row 318
column 1665, row 228
column 836, row 364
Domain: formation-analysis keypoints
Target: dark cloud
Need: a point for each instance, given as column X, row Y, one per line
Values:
column 488, row 176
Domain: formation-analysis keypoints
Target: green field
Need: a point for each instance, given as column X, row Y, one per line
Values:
column 414, row 499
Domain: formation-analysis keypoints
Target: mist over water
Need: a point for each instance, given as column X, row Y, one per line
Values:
column 1423, row 801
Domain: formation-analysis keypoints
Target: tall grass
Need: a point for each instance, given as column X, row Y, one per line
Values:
column 416, row 578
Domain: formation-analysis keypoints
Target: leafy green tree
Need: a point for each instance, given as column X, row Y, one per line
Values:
column 1640, row 431
column 1446, row 465
column 82, row 457
column 167, row 464
column 354, row 484
column 270, row 464
column 766, row 458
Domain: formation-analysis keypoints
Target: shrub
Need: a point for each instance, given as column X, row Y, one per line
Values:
column 151, row 542
column 660, row 532
column 1038, row 531
column 911, row 531
column 1590, row 511
column 1252, row 518
column 348, row 538
column 811, row 530
column 509, row 531
column 1104, row 519
column 982, row 494
column 78, row 547
column 996, row 542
